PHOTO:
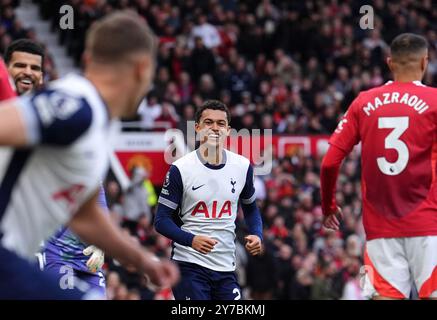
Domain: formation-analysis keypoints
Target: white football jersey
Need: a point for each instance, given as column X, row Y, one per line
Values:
column 208, row 199
column 43, row 185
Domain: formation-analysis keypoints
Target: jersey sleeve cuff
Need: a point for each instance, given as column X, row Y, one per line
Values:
column 167, row 203
column 250, row 200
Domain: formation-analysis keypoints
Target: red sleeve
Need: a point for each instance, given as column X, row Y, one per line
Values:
column 347, row 133
column 345, row 137
column 6, row 91
column 328, row 177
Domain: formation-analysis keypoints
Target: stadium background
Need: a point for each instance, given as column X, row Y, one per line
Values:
column 290, row 66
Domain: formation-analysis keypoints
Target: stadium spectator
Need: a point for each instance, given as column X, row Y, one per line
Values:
column 135, row 200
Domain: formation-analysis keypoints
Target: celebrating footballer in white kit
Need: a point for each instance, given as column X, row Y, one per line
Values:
column 204, row 189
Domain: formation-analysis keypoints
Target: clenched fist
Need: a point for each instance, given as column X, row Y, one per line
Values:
column 203, row 244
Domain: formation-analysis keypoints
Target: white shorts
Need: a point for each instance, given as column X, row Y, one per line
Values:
column 392, row 266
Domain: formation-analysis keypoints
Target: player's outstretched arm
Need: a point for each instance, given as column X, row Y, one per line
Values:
column 328, row 180
column 94, row 227
column 12, row 127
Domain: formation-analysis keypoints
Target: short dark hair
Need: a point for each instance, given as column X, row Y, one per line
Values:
column 407, row 44
column 23, row 45
column 212, row 105
column 117, row 35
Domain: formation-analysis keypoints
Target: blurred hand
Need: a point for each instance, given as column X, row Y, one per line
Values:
column 332, row 221
column 97, row 259
column 162, row 274
column 253, row 244
column 203, row 244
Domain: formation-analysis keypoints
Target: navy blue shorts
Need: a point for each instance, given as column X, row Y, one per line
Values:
column 200, row 283
column 21, row 280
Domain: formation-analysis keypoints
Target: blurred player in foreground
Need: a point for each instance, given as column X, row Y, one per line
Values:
column 55, row 154
column 397, row 126
column 64, row 254
column 206, row 186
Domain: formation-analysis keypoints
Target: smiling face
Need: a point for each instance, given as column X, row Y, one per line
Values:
column 213, row 127
column 26, row 71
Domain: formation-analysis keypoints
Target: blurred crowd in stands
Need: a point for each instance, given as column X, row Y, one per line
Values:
column 290, row 66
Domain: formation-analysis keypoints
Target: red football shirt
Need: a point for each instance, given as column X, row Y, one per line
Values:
column 6, row 91
column 397, row 125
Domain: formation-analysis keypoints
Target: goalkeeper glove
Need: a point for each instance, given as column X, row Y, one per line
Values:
column 95, row 262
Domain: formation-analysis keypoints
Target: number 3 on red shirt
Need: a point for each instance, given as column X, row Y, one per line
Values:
column 392, row 141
